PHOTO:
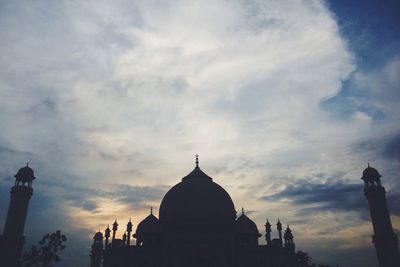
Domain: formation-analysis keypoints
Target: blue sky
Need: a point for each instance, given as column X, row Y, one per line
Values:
column 285, row 101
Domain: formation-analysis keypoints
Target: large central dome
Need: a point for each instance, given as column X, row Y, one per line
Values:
column 197, row 199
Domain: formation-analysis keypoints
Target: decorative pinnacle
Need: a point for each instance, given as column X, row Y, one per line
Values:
column 151, row 210
column 242, row 211
column 27, row 164
column 368, row 164
column 197, row 160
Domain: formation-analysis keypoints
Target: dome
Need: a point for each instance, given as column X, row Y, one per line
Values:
column 246, row 226
column 98, row 236
column 197, row 199
column 149, row 225
column 370, row 174
column 25, row 174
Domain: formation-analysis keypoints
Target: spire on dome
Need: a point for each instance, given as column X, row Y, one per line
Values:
column 197, row 160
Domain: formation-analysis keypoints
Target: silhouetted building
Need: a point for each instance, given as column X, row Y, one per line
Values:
column 385, row 240
column 197, row 226
column 13, row 239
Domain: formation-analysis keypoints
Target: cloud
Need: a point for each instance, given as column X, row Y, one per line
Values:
column 386, row 146
column 137, row 195
column 110, row 101
column 392, row 148
column 333, row 195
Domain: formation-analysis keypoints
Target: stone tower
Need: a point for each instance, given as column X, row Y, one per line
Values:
column 384, row 239
column 12, row 240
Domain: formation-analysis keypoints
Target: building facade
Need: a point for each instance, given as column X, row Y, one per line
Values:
column 197, row 227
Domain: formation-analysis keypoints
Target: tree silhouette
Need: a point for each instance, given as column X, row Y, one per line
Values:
column 303, row 259
column 46, row 252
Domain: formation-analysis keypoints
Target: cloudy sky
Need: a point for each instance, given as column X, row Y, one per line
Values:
column 284, row 101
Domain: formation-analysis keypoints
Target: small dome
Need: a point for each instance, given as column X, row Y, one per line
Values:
column 370, row 174
column 246, row 226
column 150, row 225
column 25, row 174
column 98, row 236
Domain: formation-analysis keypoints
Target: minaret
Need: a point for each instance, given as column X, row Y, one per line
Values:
column 13, row 238
column 96, row 254
column 385, row 240
column 268, row 233
column 279, row 227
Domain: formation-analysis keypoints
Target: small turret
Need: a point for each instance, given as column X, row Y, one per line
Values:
column 124, row 238
column 115, row 228
column 268, row 233
column 288, row 236
column 107, row 234
column 129, row 231
column 279, row 227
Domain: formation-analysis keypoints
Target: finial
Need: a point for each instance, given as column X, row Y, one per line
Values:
column 267, row 220
column 151, row 210
column 197, row 160
column 368, row 164
column 130, row 220
column 27, row 164
column 242, row 211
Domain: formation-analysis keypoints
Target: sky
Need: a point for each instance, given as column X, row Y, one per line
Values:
column 285, row 102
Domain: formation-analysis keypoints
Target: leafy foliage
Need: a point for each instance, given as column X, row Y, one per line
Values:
column 303, row 259
column 47, row 251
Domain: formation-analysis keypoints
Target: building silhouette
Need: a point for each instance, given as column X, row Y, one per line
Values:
column 384, row 239
column 13, row 239
column 198, row 227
